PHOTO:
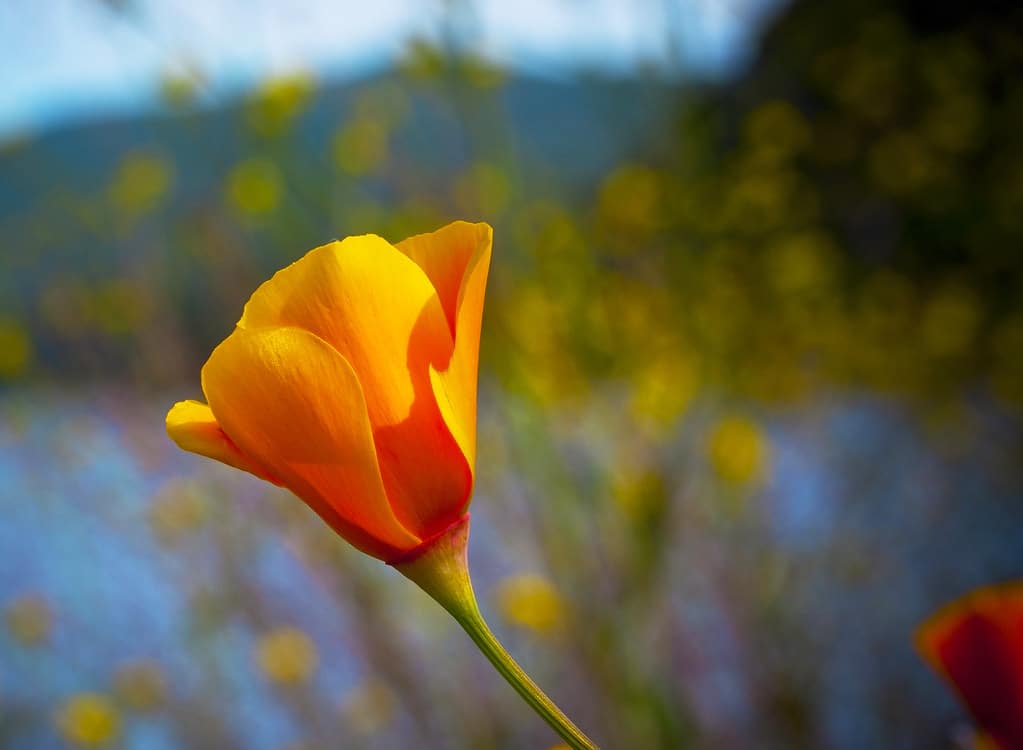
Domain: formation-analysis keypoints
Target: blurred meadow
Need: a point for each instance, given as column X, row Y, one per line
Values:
column 751, row 373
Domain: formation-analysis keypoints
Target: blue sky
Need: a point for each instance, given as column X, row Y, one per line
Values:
column 65, row 59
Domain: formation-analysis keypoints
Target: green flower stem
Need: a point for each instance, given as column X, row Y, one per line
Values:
column 440, row 568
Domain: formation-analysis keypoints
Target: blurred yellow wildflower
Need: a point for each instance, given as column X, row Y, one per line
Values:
column 951, row 318
column 640, row 495
column 16, row 351
column 1006, row 344
column 141, row 181
column 482, row 73
column 866, row 79
column 901, row 163
column 179, row 509
column 368, row 708
column 141, row 685
column 554, row 238
column 777, row 131
column 360, row 146
column 88, row 720
column 630, row 198
column 179, row 90
column 535, row 322
column 762, row 199
column 531, row 602
column 417, row 214
column 802, row 262
column 29, row 620
column 737, row 449
column 277, row 102
column 423, row 61
column 287, row 656
column 254, row 187
column 722, row 312
column 663, row 387
column 950, row 63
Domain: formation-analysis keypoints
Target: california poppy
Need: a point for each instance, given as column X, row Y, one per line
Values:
column 351, row 380
column 976, row 643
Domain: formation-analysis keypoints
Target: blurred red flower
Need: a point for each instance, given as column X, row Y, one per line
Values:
column 976, row 643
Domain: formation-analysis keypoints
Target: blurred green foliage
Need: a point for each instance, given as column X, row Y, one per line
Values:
column 848, row 215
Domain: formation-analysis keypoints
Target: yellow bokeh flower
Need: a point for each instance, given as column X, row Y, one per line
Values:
column 777, row 131
column 861, row 78
column 16, row 351
column 180, row 89
column 287, row 656
column 89, row 720
column 360, row 146
column 630, row 198
column 278, row 101
column 901, row 163
column 531, row 602
column 254, row 187
column 663, row 387
column 482, row 73
column 639, row 495
column 802, row 262
column 737, row 450
column 141, row 182
column 951, row 318
column 423, row 61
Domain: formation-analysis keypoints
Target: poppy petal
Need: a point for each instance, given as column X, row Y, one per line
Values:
column 446, row 257
column 380, row 311
column 457, row 260
column 193, row 427
column 290, row 400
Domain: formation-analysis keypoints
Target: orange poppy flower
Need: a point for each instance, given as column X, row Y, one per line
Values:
column 976, row 643
column 351, row 380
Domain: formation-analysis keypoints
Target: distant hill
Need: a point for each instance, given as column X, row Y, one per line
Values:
column 571, row 131
column 149, row 204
